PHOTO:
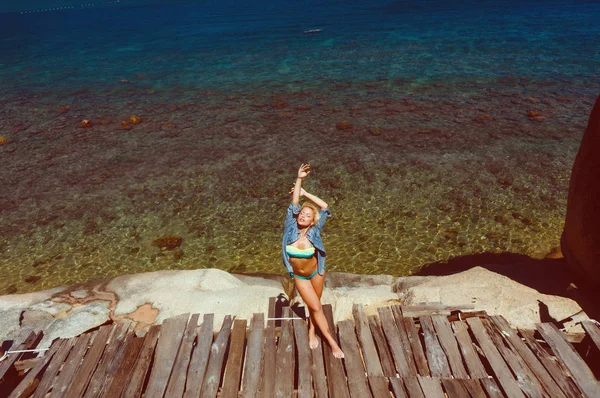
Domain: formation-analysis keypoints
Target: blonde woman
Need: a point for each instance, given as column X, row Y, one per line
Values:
column 304, row 255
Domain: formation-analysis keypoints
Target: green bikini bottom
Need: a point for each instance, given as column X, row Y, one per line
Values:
column 307, row 278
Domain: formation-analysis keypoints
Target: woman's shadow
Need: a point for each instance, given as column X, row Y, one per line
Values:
column 547, row 276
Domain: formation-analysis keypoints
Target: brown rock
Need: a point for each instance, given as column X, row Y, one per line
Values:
column 344, row 125
column 580, row 240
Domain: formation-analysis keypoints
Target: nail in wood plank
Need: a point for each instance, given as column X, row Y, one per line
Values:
column 176, row 385
column 200, row 357
column 142, row 364
column 394, row 342
column 357, row 381
column 566, row 354
column 304, row 359
column 438, row 363
column 210, row 385
column 168, row 345
column 366, row 341
column 233, row 368
column 501, row 370
column 474, row 364
column 254, row 356
column 450, row 346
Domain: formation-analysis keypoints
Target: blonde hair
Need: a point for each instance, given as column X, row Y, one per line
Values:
column 316, row 214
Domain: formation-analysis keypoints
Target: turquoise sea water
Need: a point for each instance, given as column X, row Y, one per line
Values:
column 435, row 129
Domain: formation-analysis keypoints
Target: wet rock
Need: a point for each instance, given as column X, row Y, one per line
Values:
column 581, row 236
column 32, row 279
column 344, row 125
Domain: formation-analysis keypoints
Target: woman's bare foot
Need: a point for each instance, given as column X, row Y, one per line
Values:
column 337, row 352
column 313, row 342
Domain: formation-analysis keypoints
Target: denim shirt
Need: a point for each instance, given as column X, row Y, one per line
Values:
column 291, row 234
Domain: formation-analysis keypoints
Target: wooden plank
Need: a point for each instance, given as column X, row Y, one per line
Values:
column 267, row 389
column 416, row 347
column 142, row 364
column 454, row 388
column 67, row 373
column 474, row 388
column 90, row 361
column 317, row 371
column 171, row 334
column 398, row 387
column 417, row 311
column 366, row 341
column 438, row 363
column 379, row 386
column 529, row 357
column 210, row 385
column 448, row 341
column 28, row 343
column 593, row 331
column 176, row 385
column 115, row 364
column 566, row 354
column 26, row 387
column 525, row 377
column 431, row 386
column 53, row 368
column 385, row 356
column 233, row 368
column 304, row 359
column 395, row 342
column 491, row 388
column 284, row 374
column 413, row 387
column 509, row 384
column 474, row 364
column 551, row 364
column 117, row 337
column 336, row 378
column 355, row 369
column 406, row 345
column 120, row 381
column 200, row 356
column 254, row 356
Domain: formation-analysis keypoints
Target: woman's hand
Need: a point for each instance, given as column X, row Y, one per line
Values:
column 302, row 192
column 304, row 170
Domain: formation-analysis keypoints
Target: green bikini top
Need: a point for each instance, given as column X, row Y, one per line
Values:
column 293, row 251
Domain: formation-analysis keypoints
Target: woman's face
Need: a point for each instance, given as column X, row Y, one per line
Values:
column 306, row 218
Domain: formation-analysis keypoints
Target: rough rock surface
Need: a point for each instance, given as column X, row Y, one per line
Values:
column 492, row 292
column 580, row 241
column 150, row 298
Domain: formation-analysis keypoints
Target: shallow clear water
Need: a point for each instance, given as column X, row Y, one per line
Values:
column 463, row 123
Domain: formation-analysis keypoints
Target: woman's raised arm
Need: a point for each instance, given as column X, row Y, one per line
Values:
column 303, row 171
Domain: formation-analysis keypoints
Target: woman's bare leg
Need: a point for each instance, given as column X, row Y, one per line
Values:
column 317, row 282
column 309, row 295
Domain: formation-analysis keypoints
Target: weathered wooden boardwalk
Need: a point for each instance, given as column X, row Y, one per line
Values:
column 402, row 352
